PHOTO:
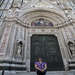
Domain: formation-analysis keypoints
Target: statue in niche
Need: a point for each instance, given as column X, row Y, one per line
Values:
column 19, row 48
column 71, row 47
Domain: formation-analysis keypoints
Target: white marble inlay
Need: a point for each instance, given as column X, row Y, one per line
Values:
column 4, row 41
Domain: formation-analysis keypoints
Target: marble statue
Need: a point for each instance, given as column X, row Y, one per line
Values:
column 19, row 48
column 71, row 47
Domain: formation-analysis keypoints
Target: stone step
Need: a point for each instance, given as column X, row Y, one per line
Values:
column 33, row 73
column 71, row 64
column 12, row 65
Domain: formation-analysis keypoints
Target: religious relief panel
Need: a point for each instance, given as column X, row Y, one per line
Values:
column 41, row 22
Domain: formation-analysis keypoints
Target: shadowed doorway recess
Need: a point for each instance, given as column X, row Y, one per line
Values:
column 47, row 47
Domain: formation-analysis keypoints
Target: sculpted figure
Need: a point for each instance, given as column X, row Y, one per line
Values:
column 71, row 47
column 19, row 48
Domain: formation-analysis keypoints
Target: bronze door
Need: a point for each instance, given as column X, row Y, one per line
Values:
column 46, row 47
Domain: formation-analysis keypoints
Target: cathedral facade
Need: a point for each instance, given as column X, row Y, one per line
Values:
column 37, row 28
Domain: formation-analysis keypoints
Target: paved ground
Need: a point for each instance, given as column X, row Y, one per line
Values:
column 33, row 73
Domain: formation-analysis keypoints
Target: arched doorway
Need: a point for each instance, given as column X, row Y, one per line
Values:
column 47, row 47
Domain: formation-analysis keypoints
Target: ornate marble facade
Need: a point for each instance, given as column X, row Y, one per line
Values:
column 16, row 28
